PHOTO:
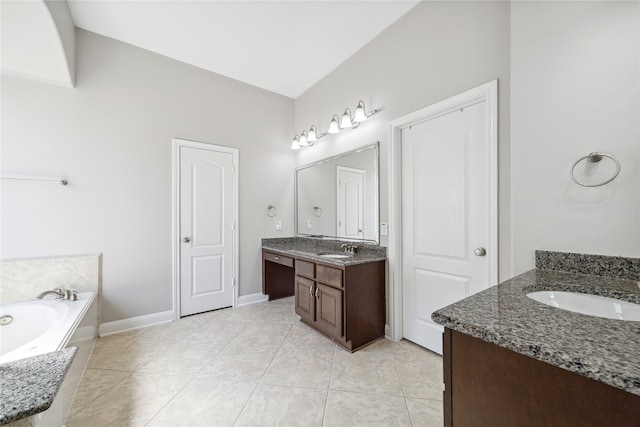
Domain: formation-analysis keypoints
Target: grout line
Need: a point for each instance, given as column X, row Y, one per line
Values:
column 326, row 400
column 169, row 401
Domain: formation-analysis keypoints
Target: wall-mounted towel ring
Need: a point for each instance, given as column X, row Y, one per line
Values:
column 594, row 158
column 317, row 211
column 271, row 211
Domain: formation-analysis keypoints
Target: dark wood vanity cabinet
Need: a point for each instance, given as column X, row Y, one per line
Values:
column 488, row 385
column 277, row 275
column 344, row 302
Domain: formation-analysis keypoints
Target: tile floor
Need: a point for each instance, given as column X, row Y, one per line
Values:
column 256, row 365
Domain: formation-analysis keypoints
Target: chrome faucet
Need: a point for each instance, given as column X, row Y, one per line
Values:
column 349, row 248
column 65, row 294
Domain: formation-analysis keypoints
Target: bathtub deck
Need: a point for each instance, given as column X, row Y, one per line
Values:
column 28, row 386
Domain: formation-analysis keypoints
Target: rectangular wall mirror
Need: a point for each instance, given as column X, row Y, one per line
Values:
column 338, row 197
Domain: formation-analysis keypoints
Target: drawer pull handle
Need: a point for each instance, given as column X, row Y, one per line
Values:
column 276, row 258
column 311, row 291
column 317, row 297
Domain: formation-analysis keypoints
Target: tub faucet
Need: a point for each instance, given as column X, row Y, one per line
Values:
column 66, row 294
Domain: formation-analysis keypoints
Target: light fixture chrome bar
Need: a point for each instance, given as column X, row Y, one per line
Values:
column 56, row 181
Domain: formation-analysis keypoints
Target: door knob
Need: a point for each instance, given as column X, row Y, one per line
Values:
column 480, row 251
column 186, row 239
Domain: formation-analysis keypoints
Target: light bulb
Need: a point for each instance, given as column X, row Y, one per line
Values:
column 346, row 120
column 295, row 145
column 334, row 127
column 303, row 139
column 312, row 135
column 360, row 115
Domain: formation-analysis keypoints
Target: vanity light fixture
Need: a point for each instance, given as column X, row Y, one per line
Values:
column 307, row 138
column 346, row 120
column 312, row 135
column 334, row 127
column 303, row 139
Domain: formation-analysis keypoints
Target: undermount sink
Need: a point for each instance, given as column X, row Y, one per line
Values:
column 334, row 256
column 592, row 305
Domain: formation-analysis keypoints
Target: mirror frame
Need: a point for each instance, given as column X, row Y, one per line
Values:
column 375, row 146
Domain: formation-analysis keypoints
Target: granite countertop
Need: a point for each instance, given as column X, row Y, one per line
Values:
column 28, row 386
column 310, row 248
column 605, row 350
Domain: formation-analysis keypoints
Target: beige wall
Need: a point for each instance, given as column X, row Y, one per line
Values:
column 111, row 137
column 437, row 50
column 575, row 88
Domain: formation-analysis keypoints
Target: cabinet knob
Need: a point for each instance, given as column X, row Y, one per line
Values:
column 276, row 258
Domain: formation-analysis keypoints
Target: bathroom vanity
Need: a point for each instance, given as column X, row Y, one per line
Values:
column 340, row 295
column 510, row 360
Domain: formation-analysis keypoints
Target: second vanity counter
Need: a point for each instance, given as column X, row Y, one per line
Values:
column 310, row 248
column 342, row 297
column 602, row 349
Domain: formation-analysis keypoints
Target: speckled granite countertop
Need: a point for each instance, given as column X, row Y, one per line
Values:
column 602, row 349
column 310, row 248
column 28, row 386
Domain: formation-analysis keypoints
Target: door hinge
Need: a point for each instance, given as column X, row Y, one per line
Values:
column 233, row 170
column 234, row 282
column 233, row 225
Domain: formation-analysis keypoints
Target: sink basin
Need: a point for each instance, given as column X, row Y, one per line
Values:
column 334, row 256
column 592, row 305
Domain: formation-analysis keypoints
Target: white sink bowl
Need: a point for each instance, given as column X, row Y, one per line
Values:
column 334, row 256
column 592, row 305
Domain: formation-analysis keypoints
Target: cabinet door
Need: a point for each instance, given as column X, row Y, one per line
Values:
column 329, row 310
column 305, row 299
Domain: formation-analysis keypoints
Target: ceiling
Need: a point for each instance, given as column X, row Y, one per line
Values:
column 281, row 46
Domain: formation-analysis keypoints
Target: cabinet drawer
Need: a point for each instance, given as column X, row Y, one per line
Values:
column 330, row 276
column 279, row 259
column 305, row 268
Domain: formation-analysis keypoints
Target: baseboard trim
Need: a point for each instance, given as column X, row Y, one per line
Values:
column 251, row 299
column 117, row 326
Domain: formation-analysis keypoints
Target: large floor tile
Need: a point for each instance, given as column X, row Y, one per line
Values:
column 238, row 366
column 95, row 383
column 361, row 409
column 273, row 405
column 205, row 403
column 300, row 368
column 180, row 360
column 133, row 402
column 426, row 413
column 128, row 355
column 303, row 337
column 365, row 372
column 420, row 374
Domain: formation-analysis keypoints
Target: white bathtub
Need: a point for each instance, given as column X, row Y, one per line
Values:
column 40, row 326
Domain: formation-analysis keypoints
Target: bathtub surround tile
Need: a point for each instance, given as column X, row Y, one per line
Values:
column 284, row 406
column 360, row 409
column 240, row 371
column 28, row 386
column 23, row 279
column 132, row 402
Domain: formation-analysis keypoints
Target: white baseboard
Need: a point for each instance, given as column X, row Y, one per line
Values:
column 251, row 299
column 138, row 322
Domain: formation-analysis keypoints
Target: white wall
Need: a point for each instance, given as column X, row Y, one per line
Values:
column 575, row 88
column 111, row 138
column 437, row 50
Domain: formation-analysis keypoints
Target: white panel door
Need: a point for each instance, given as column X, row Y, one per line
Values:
column 351, row 202
column 445, row 217
column 206, row 230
